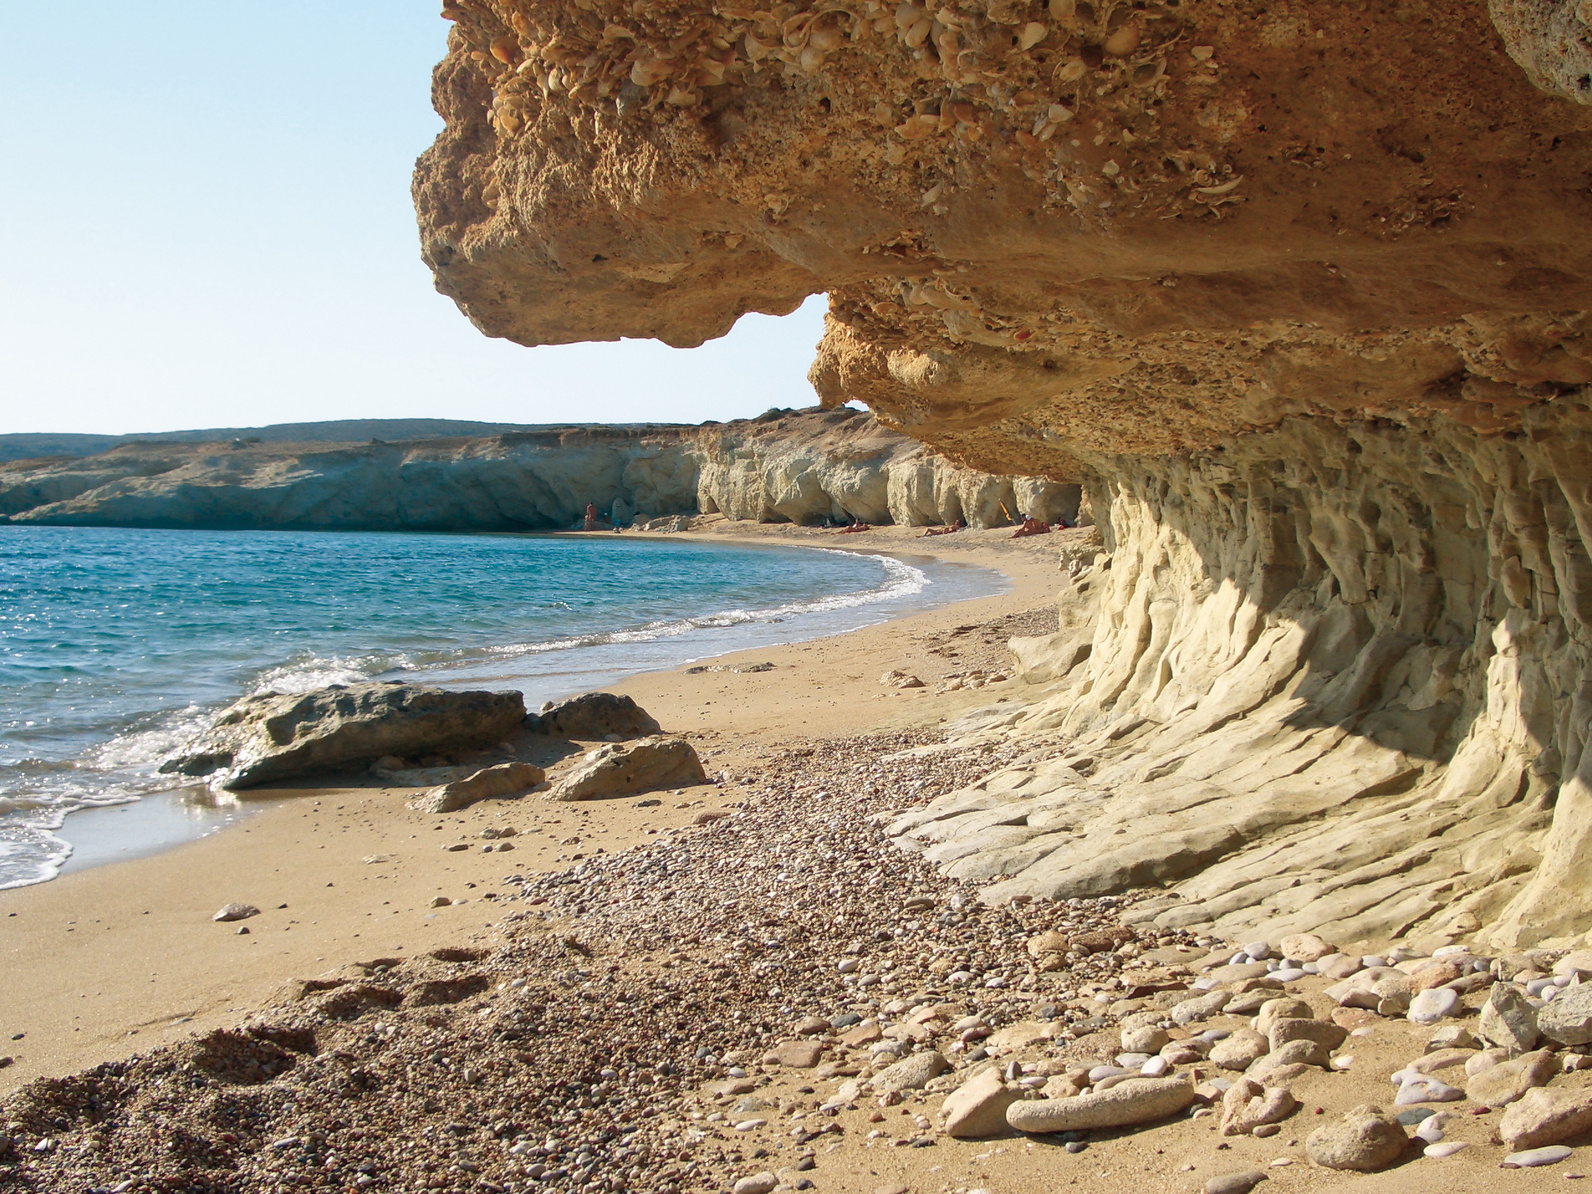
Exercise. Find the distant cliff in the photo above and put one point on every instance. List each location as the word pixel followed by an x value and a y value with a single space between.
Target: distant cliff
pixel 33 445
pixel 802 467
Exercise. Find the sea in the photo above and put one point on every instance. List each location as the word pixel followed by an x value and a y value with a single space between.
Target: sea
pixel 118 645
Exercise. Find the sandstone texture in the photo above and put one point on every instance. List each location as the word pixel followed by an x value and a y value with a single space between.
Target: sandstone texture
pixel 271 738
pixel 1297 294
pixel 624 769
pixel 787 466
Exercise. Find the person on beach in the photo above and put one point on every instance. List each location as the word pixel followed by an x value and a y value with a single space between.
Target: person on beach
pixel 591 517
pixel 856 525
pixel 945 530
pixel 1031 526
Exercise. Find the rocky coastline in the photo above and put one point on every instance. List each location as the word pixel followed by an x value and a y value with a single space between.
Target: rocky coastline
pixel 805 467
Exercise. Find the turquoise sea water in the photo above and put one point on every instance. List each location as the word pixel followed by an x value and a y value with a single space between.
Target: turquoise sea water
pixel 116 645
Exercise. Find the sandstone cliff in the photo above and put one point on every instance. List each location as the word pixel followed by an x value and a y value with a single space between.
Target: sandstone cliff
pixel 1297 290
pixel 785 467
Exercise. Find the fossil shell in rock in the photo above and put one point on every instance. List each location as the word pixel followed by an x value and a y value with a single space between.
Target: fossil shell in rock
pixel 647 70
pixel 1033 33
pixel 506 49
pixel 825 39
pixel 917 127
pixel 1071 71
pixel 1123 42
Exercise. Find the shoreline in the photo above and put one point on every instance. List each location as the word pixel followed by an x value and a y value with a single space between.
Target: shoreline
pixel 151 814
pixel 78 982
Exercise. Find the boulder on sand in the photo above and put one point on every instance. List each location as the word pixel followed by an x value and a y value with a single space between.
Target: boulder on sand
pixel 625 769
pixel 272 738
pixel 1543 1117
pixel 593 715
pixel 490 783
pixel 1366 1138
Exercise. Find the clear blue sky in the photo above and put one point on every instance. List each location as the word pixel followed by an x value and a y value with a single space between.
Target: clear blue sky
pixel 205 221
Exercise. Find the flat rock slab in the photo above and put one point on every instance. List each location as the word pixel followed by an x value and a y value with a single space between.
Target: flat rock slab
pixel 625 769
pixel 274 738
pixel 1136 1101
pixel 594 715
pixel 490 783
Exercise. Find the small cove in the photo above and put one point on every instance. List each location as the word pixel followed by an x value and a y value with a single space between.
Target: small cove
pixel 117 644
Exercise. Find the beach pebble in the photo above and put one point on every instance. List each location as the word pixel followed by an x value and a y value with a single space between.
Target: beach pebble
pixel 757 1183
pixel 440 901
pixel 1433 1005
pixel 1234 1183
pixel 1534 1157
pixel 1421 1088
pixel 1144 1040
pixel 236 912
pixel 1447 1148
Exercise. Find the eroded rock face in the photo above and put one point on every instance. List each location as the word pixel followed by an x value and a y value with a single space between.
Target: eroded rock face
pixel 1298 293
pixel 787 466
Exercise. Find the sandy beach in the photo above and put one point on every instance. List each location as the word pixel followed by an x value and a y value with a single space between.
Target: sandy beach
pixel 107 961
pixel 671 995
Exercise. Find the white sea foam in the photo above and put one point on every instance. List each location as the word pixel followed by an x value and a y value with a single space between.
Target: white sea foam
pixel 308 673
pixel 902 580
